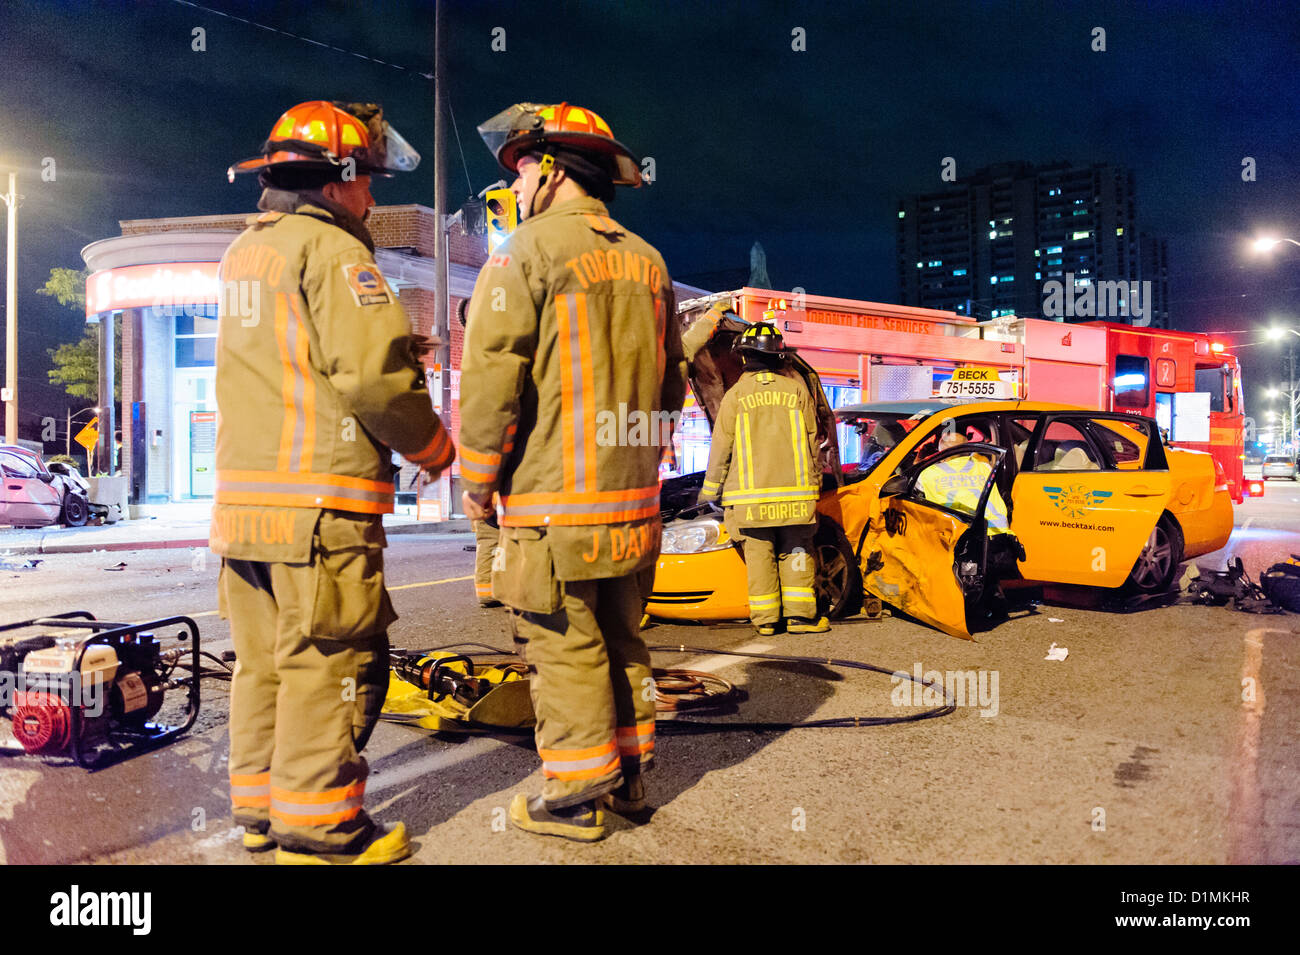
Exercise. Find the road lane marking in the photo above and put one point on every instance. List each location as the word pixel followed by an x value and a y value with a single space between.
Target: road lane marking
pixel 430 583
pixel 1246 526
pixel 710 664
pixel 1246 844
pixel 383 779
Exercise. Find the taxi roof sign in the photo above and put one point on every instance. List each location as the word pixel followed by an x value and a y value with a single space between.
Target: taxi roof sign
pixel 975 374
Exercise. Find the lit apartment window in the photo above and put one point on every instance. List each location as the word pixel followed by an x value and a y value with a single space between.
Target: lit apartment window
pixel 935 262
pixel 901 213
pixel 958 271
pixel 1081 235
pixel 1055 248
pixel 993 234
pixel 1119 231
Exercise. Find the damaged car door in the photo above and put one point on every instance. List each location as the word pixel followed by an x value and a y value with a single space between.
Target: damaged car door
pixel 930 557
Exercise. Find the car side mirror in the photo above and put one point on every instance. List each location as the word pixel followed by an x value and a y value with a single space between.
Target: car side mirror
pixel 47 478
pixel 894 486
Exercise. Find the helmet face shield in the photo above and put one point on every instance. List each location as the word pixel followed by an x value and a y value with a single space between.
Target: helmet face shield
pixel 530 127
pixel 387 151
pixel 513 120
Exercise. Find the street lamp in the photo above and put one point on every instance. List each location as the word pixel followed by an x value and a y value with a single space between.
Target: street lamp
pixel 1269 243
pixel 10 394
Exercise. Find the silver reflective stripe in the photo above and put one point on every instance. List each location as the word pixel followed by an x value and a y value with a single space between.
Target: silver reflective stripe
pixel 315 808
pixel 761 496
pixel 263 790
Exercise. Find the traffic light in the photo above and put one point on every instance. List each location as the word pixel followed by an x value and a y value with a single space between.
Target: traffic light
pixel 502 215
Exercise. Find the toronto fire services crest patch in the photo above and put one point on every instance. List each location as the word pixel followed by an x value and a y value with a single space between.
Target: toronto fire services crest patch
pixel 366 284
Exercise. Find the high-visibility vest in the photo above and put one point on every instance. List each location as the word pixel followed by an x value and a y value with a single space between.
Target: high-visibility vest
pixel 957 483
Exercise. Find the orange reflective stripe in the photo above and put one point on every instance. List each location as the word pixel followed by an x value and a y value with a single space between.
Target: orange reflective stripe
pixel 252 790
pixel 595 507
pixel 483 460
pixel 589 763
pixel 317 809
pixel 469 472
pixel 593 497
pixel 250 779
pixel 350 792
pixel 636 740
pixel 307 447
pixel 438 452
pixel 284 499
pixel 510 439
pixel 298 489
pixel 567 418
pixel 586 468
pixel 284 458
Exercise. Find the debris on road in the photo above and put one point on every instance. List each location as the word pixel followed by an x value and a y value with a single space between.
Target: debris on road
pixel 1057 653
pixel 1055 620
pixel 120 565
pixel 29 564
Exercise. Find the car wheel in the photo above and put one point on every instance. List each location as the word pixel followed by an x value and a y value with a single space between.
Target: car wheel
pixel 838 581
pixel 1158 563
pixel 76 510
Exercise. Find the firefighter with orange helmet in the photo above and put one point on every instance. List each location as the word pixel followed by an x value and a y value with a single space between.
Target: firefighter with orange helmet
pixel 572 377
pixel 317 384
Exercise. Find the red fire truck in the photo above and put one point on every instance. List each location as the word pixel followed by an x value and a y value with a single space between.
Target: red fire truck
pixel 871 351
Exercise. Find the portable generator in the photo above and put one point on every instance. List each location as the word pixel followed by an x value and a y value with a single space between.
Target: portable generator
pixel 93 697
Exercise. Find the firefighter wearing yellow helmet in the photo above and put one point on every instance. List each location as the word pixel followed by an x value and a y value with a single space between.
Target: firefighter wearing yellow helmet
pixel 572 377
pixel 763 468
pixel 317 384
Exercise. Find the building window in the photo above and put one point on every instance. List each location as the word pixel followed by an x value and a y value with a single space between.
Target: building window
pixel 958 271
pixel 1080 235
pixel 901 213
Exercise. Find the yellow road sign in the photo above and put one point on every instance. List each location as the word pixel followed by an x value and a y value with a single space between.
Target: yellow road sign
pixel 88 436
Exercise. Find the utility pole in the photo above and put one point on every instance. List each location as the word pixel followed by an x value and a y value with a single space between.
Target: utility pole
pixel 442 270
pixel 11 314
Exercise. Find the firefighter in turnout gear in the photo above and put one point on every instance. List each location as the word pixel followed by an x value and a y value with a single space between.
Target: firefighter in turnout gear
pixel 763 468
pixel 572 379
pixel 316 384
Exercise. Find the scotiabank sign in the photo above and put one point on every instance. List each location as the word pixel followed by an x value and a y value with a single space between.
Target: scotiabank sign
pixel 139 286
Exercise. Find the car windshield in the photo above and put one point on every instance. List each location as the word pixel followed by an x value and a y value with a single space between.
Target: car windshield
pixel 866 437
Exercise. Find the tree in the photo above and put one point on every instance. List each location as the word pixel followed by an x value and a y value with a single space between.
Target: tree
pixel 76 364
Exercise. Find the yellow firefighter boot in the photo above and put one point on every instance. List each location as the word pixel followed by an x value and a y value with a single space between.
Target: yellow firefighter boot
pixel 387 846
pixel 257 841
pixel 581 823
pixel 807 625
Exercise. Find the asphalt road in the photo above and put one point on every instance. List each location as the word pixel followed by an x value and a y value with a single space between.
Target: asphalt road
pixel 1137 748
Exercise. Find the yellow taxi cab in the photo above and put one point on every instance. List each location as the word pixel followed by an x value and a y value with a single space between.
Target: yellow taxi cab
pixel 1086 497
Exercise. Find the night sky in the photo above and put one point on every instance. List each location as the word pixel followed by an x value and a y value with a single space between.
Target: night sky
pixel 806 152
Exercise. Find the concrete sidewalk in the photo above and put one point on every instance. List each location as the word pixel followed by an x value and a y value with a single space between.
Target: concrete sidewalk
pixel 168 525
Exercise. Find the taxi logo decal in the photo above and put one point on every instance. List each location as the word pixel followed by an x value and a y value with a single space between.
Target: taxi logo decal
pixel 1076 499
pixel 366 284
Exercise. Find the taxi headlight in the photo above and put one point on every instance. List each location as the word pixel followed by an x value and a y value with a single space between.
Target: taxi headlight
pixel 694 537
